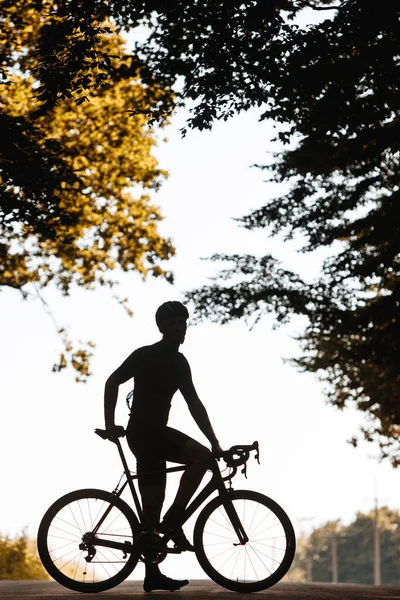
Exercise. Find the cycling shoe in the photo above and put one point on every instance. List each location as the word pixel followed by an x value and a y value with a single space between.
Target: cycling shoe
pixel 162 582
pixel 177 535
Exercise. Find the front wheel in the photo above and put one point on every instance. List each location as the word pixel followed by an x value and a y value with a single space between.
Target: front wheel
pixel 68 535
pixel 259 563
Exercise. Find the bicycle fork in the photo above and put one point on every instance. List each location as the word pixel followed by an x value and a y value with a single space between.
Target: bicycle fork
pixel 234 519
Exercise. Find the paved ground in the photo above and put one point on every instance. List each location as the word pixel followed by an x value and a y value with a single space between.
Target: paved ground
pixel 197 590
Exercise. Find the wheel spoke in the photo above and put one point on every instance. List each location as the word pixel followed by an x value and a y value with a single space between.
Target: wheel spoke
pixel 268 546
pixel 263 563
pixel 229 557
pixel 221 536
pixel 75 549
pixel 251 562
pixel 76 569
pixel 67 523
pixel 224 516
pixel 97 516
pixel 223 552
pixel 63 546
pixel 223 526
pixel 69 561
pixel 250 531
pixel 267 529
pixel 244 574
pixel 58 537
pixel 73 516
pixel 110 563
pixel 234 566
pixel 269 557
pixel 218 543
pixel 262 521
pixel 83 518
pixel 112 522
pixel 90 514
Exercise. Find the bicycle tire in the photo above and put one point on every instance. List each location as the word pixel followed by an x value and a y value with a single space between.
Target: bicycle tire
pixel 208 528
pixel 66 521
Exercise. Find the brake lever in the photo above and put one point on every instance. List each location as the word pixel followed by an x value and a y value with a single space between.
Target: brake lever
pixel 257 449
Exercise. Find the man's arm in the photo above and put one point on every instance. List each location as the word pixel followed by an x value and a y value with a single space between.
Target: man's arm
pixel 122 374
pixel 196 406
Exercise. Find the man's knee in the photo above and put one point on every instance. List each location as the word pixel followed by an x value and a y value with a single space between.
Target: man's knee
pixel 204 456
pixel 195 453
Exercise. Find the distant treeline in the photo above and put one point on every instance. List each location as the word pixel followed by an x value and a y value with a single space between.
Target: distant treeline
pixel 348 552
pixel 333 550
pixel 19 558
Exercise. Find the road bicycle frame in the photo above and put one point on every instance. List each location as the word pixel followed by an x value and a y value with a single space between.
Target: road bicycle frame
pixel 215 484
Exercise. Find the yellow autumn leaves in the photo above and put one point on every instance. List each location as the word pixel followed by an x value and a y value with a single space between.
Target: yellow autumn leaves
pixel 110 151
pixel 102 217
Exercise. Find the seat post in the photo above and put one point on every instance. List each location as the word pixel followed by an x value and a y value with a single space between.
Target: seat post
pixel 129 479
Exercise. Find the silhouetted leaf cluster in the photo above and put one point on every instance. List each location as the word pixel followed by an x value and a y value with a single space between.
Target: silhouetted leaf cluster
pixel 338 108
pixel 333 89
pixel 223 55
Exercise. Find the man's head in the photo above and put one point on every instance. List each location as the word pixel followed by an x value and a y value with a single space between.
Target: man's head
pixel 171 320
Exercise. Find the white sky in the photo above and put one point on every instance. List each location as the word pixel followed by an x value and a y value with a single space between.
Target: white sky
pixel 47 443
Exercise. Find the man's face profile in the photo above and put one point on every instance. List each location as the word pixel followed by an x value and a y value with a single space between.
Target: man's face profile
pixel 174 329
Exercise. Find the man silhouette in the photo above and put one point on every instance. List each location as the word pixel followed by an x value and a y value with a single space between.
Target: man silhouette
pixel 159 370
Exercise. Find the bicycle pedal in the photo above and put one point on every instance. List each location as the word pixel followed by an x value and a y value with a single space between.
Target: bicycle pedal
pixel 167 549
pixel 174 550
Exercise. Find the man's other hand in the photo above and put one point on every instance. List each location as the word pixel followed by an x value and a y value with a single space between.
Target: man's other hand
pixel 115 431
pixel 216 447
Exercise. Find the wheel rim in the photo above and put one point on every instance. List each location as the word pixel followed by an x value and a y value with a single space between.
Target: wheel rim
pixel 260 558
pixel 71 527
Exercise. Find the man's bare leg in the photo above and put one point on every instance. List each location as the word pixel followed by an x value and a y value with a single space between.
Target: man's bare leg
pixel 153 495
pixel 197 458
pixel 152 499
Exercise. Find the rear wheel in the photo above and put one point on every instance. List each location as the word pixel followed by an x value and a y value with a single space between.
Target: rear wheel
pixel 67 547
pixel 256 565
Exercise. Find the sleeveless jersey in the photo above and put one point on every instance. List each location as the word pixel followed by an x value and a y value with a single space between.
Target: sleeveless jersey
pixel 158 372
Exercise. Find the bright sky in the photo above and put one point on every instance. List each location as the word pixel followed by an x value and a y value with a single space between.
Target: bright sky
pixel 47 444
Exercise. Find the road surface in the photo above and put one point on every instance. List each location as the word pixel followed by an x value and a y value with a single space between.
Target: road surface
pixel 199 590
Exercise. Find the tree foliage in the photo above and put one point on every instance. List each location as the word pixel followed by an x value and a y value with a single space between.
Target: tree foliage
pixel 217 49
pixel 74 173
pixel 69 80
pixel 19 559
pixel 224 55
pixel 337 108
pixel 332 90
pixel 75 116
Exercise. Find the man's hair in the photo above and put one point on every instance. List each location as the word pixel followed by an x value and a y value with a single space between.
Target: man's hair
pixel 168 310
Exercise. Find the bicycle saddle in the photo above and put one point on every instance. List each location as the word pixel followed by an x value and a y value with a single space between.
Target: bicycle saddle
pixel 106 435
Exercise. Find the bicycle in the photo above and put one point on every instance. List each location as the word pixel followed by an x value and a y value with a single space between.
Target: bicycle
pixel 244 541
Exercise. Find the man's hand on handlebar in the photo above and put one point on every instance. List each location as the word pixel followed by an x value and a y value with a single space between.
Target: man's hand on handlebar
pixel 216 448
pixel 115 431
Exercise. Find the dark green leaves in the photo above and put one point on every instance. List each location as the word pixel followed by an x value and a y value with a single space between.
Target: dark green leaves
pixel 339 103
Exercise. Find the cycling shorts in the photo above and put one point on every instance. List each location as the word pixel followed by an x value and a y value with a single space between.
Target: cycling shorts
pixel 153 447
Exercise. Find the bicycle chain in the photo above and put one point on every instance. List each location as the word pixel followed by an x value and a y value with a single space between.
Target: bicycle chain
pixel 114 535
pixel 160 558
pixel 112 562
